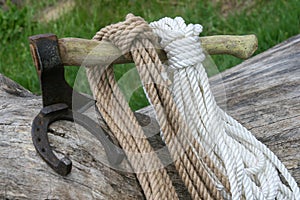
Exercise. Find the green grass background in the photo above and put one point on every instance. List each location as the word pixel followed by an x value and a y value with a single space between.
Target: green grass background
pixel 272 21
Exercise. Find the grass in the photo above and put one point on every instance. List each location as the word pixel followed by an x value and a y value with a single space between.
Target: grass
pixel 272 22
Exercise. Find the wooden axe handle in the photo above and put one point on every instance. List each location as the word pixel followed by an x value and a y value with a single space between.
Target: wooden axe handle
pixel 76 51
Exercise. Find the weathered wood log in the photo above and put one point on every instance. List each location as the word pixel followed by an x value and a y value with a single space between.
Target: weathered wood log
pixel 262 93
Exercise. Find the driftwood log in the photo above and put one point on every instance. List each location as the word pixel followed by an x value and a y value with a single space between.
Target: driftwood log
pixel 262 93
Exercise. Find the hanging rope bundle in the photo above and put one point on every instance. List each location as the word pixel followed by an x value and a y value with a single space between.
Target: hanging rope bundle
pixel 121 120
pixel 216 157
pixel 254 172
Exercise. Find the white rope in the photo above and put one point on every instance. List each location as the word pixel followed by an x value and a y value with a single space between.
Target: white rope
pixel 253 170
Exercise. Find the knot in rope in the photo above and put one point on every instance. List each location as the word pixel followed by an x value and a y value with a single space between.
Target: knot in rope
pixel 180 41
pixel 125 34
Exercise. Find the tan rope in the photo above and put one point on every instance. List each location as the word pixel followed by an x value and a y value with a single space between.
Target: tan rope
pixel 134 36
pixel 120 119
pixel 151 182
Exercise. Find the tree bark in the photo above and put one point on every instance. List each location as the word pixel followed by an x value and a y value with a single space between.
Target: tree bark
pixel 262 93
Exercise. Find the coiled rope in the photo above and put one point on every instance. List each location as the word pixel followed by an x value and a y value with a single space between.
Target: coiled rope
pixel 205 144
pixel 120 119
pixel 254 171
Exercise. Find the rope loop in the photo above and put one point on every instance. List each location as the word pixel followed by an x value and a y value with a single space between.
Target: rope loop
pixel 125 34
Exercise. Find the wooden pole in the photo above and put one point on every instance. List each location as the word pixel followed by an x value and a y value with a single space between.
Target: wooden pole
pixel 76 51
